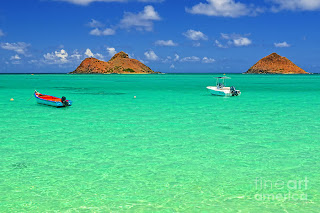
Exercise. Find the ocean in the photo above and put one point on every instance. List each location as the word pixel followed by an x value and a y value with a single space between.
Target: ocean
pixel 173 148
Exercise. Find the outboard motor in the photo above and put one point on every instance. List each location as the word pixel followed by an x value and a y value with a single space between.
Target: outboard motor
pixel 234 92
pixel 64 101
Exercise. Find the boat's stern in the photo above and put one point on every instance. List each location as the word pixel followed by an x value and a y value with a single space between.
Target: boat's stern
pixel 64 104
pixel 239 92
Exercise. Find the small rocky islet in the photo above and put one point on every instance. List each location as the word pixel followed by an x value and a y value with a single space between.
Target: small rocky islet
pixel 120 63
pixel 275 64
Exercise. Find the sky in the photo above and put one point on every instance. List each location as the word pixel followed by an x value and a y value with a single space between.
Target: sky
pixel 171 36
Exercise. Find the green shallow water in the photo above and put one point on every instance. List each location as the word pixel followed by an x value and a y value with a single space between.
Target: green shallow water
pixel 175 148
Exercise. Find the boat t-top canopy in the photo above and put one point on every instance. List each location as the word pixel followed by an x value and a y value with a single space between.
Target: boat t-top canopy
pixel 221 81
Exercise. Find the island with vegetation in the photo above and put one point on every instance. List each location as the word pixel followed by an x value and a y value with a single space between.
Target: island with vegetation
pixel 120 63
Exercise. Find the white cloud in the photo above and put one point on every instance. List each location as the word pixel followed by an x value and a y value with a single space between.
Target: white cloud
pixel 151 1
pixel 1 33
pixel 58 57
pixel 33 61
pixel 150 55
pixel 176 57
pixel 168 43
pixel 111 51
pixel 207 60
pixel 87 2
pixel 196 44
pixel 105 32
pixel 15 57
pixel 141 21
pixel 62 57
pixel 62 54
pixel 19 47
pixel 76 55
pixel 282 44
pixel 98 29
pixel 308 5
pixel 108 31
pixel 195 35
pixel 95 24
pixel 242 41
pixel 16 62
pixel 225 8
pixel 143 61
pixel 233 40
pixel 172 66
pixel 190 59
pixel 226 36
pixel 131 55
pixel 167 60
pixel 99 56
pixel 218 44
pixel 89 53
pixel 95 32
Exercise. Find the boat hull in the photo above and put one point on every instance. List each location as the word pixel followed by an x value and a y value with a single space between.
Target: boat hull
pixel 51 103
pixel 221 92
pixel 218 93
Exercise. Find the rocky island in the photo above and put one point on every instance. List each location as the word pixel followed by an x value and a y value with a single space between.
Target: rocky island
pixel 120 63
pixel 275 64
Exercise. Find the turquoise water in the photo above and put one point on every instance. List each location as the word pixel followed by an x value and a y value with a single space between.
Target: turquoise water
pixel 173 148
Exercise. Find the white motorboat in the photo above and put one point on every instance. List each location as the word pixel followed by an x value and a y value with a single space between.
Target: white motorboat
pixel 221 90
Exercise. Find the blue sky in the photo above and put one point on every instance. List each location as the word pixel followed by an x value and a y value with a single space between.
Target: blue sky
pixel 223 36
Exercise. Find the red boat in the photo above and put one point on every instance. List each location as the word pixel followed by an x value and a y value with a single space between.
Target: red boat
pixel 51 100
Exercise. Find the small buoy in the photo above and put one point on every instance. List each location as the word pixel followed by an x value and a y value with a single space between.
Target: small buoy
pixel 11 99
pixel 31 74
pixel 134 96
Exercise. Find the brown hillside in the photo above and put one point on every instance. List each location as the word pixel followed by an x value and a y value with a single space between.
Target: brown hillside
pixel 120 63
pixel 275 64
